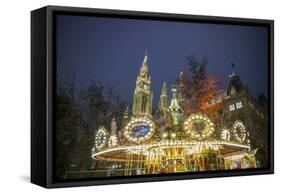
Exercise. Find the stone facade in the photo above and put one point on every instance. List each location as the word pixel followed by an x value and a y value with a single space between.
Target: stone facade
pixel 241 105
pixel 237 103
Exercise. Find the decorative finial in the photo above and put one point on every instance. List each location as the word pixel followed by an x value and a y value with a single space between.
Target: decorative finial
pixel 113 127
pixel 174 90
pixel 232 67
pixel 164 87
pixel 126 113
pixel 181 73
pixel 144 67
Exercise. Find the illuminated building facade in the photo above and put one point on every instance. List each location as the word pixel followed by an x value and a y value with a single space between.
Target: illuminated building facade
pixel 219 138
pixel 240 104
pixel 143 95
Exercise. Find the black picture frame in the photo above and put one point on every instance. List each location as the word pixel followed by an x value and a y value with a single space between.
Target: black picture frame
pixel 43 82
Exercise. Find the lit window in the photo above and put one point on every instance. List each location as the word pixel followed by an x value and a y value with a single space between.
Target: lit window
pixel 231 107
pixel 238 105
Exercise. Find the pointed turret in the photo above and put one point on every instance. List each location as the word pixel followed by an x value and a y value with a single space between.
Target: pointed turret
pixel 145 64
pixel 175 108
pixel 113 127
pixel 113 136
pixel 235 85
pixel 164 99
pixel 164 89
pixel 181 87
pixel 174 105
pixel 125 119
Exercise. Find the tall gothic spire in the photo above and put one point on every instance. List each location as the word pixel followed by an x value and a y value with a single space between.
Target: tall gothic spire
pixel 164 89
pixel 164 100
pixel 181 87
pixel 145 64
pixel 143 92
pixel 113 137
pixel 113 127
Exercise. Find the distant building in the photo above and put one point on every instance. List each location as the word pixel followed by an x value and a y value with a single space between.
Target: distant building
pixel 240 104
pixel 237 103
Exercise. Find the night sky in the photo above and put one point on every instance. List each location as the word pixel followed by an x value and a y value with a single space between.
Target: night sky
pixel 111 50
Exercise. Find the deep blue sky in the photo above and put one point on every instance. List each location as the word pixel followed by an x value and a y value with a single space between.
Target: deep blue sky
pixel 112 50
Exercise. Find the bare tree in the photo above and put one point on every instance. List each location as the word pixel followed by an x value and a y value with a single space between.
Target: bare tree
pixel 80 111
pixel 195 86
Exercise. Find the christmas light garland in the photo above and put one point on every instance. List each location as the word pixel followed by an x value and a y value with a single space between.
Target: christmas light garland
pixel 102 132
pixel 136 122
pixel 198 119
pixel 239 130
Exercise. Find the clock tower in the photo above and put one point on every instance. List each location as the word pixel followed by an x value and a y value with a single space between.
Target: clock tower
pixel 143 92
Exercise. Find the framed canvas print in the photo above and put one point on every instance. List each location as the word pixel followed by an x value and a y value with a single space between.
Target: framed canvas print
pixel 125 96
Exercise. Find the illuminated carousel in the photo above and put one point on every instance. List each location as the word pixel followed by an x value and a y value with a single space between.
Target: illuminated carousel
pixel 172 142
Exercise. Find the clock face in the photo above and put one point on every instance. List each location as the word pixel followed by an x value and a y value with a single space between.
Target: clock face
pixel 145 86
pixel 101 138
pixel 198 126
pixel 239 130
pixel 139 129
